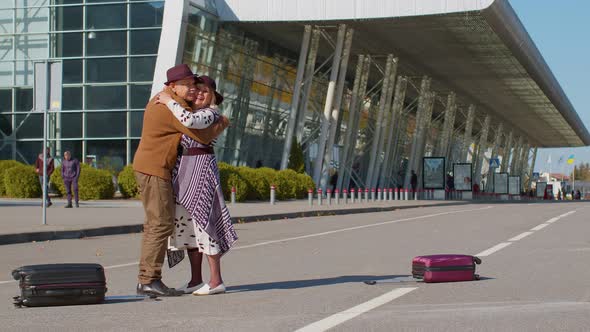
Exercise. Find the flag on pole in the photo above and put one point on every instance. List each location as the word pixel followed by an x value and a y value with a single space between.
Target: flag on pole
pixel 549 159
pixel 560 161
pixel 570 160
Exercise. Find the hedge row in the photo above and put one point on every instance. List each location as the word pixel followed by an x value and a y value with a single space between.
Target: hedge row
pixel 19 180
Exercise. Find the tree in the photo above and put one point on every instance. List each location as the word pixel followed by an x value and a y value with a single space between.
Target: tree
pixel 582 172
pixel 296 161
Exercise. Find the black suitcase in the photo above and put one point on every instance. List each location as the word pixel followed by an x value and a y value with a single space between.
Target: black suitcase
pixel 60 284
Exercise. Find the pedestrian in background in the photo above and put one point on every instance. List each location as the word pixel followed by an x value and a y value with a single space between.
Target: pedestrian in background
pixel 70 172
pixel 39 170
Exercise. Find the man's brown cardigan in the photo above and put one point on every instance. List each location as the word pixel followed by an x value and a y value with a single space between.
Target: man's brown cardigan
pixel 160 136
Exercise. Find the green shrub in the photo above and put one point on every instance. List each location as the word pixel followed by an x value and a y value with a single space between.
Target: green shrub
pixel 92 184
pixel 22 182
pixel 296 159
pixel 258 181
pixel 5 165
pixel 304 183
pixel 127 183
pixel 286 183
pixel 230 177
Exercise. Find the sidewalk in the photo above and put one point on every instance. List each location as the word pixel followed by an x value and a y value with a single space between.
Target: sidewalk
pixel 21 221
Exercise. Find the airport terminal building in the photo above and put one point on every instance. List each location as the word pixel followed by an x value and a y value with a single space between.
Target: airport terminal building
pixel 367 87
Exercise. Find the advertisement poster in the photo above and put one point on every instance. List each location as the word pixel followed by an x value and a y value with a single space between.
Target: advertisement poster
pixel 501 183
pixel 462 175
pixel 434 173
pixel 514 185
pixel 541 186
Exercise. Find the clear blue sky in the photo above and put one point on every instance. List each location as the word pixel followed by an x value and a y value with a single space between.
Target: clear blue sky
pixel 560 29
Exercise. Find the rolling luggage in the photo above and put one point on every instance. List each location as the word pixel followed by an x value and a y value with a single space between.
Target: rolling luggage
pixel 60 284
pixel 445 268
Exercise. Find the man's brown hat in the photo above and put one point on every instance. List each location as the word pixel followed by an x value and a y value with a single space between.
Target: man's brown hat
pixel 178 73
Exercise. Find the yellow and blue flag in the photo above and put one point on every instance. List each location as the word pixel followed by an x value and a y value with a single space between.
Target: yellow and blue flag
pixel 570 160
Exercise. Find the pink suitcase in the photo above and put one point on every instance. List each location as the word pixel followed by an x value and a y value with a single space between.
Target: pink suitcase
pixel 445 268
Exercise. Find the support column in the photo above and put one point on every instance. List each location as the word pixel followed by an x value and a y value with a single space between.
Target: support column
pixel 394 125
pixel 401 139
pixel 507 151
pixel 427 121
pixel 308 82
pixel 387 131
pixel 413 158
pixel 380 124
pixel 532 169
pixel 327 118
pixel 448 126
pixel 351 111
pixel 524 162
pixel 515 160
pixel 292 122
pixel 358 104
pixel 468 131
pixel 336 117
pixel 482 148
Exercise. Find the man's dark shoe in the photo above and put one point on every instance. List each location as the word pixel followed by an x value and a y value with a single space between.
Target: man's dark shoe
pixel 49 204
pixel 77 205
pixel 157 288
pixel 69 206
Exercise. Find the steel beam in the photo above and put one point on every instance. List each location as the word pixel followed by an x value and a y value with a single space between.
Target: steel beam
pixel 468 131
pixel 481 149
pixel 394 125
pixel 336 117
pixel 308 79
pixel 422 103
pixel 380 123
pixel 292 122
pixel 507 151
pixel 448 126
pixel 532 169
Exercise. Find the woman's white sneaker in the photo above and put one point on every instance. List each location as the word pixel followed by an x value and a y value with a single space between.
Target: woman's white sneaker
pixel 188 290
pixel 206 290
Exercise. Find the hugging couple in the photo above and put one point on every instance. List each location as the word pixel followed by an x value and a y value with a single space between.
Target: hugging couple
pixel 178 179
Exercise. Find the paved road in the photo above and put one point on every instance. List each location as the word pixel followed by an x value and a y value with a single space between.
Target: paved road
pixel 308 274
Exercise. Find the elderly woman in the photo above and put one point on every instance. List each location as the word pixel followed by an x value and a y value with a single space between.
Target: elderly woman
pixel 202 221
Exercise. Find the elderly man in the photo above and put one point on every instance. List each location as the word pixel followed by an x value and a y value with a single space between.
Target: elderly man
pixel 153 163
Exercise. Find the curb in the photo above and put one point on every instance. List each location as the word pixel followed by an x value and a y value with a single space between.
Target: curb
pixel 6 239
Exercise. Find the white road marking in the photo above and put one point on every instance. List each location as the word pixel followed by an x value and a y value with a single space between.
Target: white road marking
pixel 121 265
pixel 314 235
pixel 357 227
pixel 520 236
pixel 7 282
pixel 493 249
pixel 539 227
pixel 343 316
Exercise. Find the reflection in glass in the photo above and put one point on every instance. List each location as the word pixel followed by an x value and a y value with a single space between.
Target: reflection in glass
pixel 105 97
pixel 68 44
pixel 72 71
pixel 24 100
pixel 106 17
pixel 5 125
pixel 72 98
pixel 32 127
pixel 106 70
pixel 142 68
pixel 106 124
pixel 5 100
pixel 29 150
pixel 136 123
pixel 110 154
pixel 71 125
pixel 140 95
pixel 107 43
pixel 68 18
pixel 146 14
pixel 145 41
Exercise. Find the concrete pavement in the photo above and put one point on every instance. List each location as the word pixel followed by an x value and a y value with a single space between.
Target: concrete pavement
pixel 20 220
pixel 308 274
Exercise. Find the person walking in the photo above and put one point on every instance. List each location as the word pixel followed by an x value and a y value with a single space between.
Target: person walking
pixel 70 173
pixel 202 220
pixel 39 170
pixel 414 183
pixel 153 163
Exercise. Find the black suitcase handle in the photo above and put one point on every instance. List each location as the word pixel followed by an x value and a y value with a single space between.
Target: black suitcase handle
pixel 476 260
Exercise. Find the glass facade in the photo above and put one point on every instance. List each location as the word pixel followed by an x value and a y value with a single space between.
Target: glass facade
pixel 256 79
pixel 108 50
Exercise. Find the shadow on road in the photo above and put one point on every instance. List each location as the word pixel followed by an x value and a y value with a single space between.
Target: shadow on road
pixel 293 284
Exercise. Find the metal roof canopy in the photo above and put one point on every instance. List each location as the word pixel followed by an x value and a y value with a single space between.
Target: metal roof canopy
pixel 485 56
